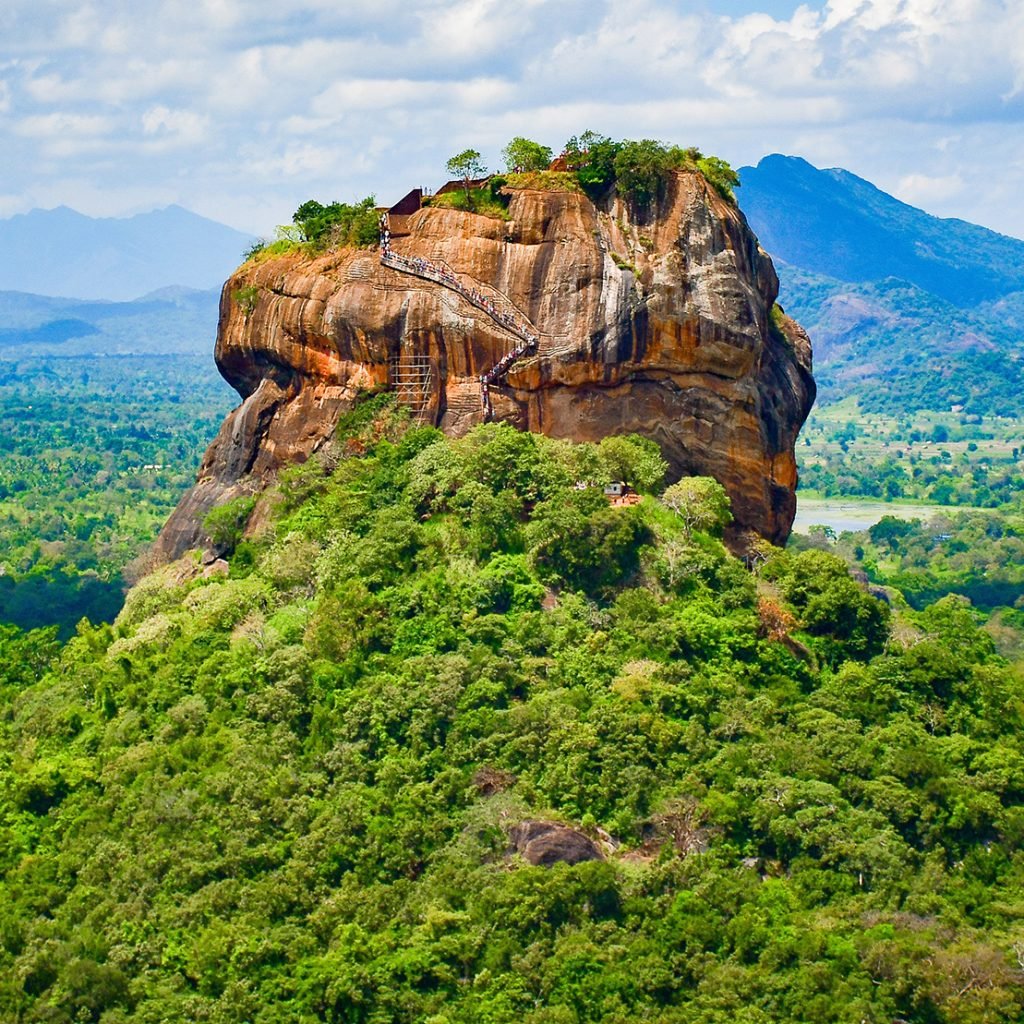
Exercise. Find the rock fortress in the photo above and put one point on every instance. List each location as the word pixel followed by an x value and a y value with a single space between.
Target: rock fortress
pixel 569 318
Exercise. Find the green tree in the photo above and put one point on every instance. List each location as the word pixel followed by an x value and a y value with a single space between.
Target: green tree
pixel 339 224
pixel 467 165
pixel 641 171
pixel 633 459
pixel 526 155
pixel 226 522
pixel 576 539
pixel 848 622
pixel 890 530
pixel 701 502
pixel 593 156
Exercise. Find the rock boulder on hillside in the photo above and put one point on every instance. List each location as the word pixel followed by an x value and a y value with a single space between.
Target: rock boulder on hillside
pixel 543 843
pixel 663 327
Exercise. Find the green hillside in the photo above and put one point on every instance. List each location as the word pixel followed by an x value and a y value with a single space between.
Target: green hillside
pixel 907 312
pixel 897 348
pixel 286 794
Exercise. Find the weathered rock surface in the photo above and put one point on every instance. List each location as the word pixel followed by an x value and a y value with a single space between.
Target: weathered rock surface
pixel 663 328
pixel 543 843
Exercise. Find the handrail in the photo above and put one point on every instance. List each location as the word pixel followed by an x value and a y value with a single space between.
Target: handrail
pixel 521 327
pixel 421 267
pixel 493 290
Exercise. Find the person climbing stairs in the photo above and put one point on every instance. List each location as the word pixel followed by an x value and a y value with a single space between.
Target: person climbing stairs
pixel 513 320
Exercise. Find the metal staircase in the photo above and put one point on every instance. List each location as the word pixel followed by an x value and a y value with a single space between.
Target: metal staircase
pixel 495 304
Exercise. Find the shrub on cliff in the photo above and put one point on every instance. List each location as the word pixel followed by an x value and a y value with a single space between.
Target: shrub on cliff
pixel 642 170
pixel 337 224
pixel 226 522
pixel 719 175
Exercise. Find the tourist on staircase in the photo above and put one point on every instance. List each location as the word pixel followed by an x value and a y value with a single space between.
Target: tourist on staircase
pixel 422 267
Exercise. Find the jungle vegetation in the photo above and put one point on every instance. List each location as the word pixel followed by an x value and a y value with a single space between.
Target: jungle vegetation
pixel 97 451
pixel 284 794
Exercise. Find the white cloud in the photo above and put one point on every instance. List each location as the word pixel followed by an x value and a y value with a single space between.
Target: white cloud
pixel 63 124
pixel 269 103
pixel 303 161
pixel 382 94
pixel 177 127
pixel 927 191
pixel 78 27
pixel 471 27
pixel 12 204
pixel 51 88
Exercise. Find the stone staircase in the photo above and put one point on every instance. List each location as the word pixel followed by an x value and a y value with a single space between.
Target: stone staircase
pixel 463 400
pixel 490 300
pixel 360 270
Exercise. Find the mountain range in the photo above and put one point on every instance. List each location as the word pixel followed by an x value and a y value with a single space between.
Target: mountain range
pixel 169 320
pixel 63 252
pixel 905 310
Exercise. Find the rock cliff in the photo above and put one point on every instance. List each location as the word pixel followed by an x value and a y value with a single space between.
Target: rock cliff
pixel 664 328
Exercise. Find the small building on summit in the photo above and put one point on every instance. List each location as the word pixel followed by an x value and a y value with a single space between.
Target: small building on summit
pixel 409 203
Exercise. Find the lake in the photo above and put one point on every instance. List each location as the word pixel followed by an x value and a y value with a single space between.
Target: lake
pixel 849 514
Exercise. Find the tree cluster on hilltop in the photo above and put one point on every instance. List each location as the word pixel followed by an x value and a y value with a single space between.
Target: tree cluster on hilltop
pixel 286 794
pixel 638 170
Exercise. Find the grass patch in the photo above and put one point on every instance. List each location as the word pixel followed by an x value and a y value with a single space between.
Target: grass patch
pixel 280 247
pixel 247 298
pixel 481 201
pixel 544 181
pixel 623 264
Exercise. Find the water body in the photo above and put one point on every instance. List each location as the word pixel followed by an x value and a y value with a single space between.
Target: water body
pixel 847 514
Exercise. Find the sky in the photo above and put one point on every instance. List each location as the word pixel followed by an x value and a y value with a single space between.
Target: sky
pixel 242 109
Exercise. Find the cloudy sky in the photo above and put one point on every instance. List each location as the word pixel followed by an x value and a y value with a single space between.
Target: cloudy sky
pixel 241 109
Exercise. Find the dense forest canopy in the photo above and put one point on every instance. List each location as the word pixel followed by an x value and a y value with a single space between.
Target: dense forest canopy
pixel 96 453
pixel 287 793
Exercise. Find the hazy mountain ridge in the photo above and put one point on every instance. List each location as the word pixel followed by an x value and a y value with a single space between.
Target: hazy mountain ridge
pixel 63 252
pixel 902 307
pixel 168 320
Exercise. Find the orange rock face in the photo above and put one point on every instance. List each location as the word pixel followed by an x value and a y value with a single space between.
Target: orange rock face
pixel 663 328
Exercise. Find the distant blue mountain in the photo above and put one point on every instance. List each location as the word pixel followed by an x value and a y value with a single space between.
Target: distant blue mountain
pixel 62 252
pixel 905 310
pixel 170 320
pixel 832 222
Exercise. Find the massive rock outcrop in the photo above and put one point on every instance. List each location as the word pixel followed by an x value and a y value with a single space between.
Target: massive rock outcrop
pixel 664 328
